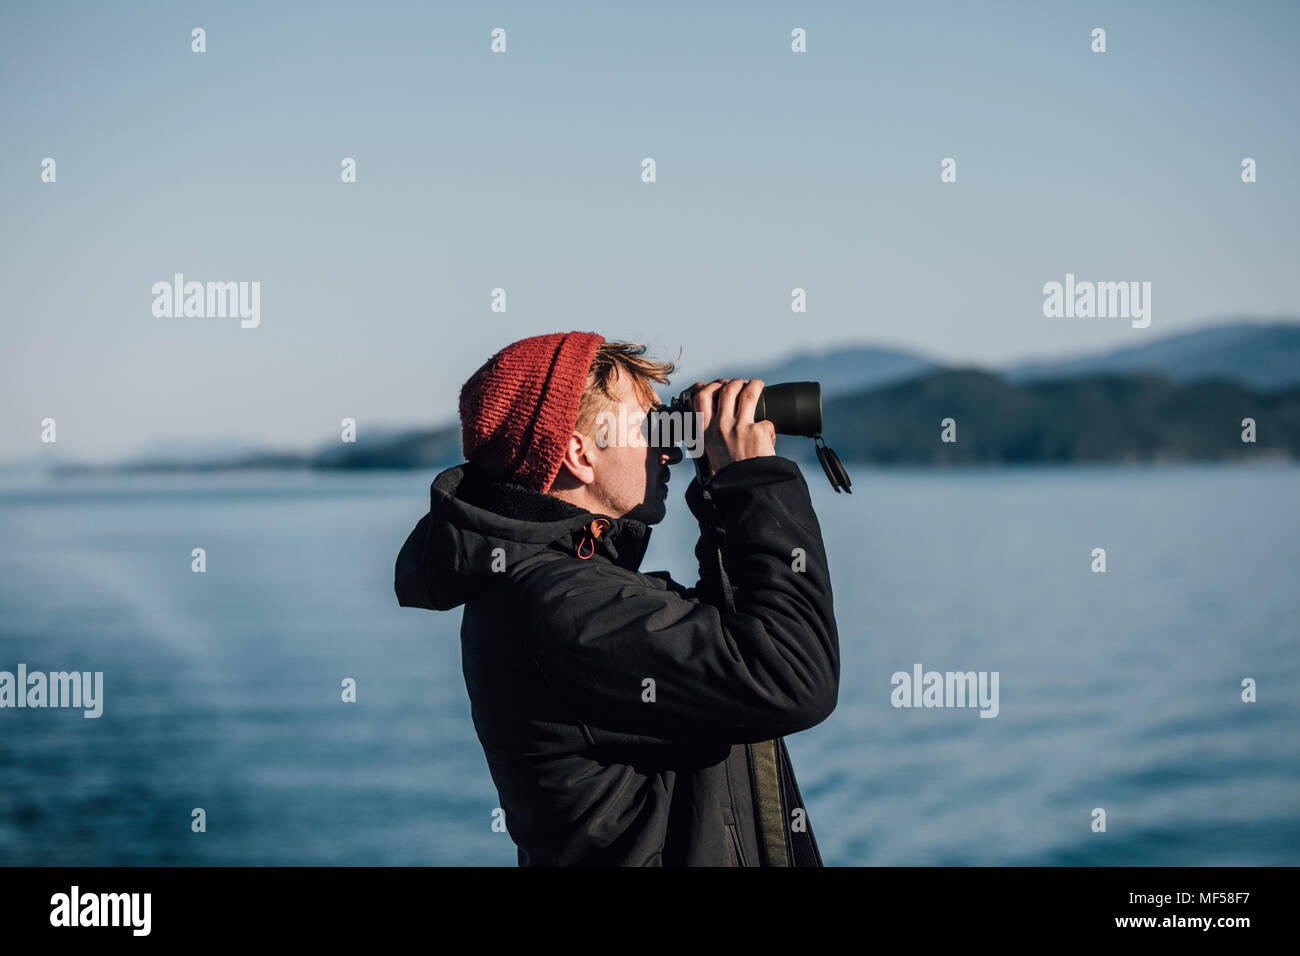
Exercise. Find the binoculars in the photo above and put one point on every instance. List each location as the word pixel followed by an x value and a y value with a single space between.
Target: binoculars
pixel 793 408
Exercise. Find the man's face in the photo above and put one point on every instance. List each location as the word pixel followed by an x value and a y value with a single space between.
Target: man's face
pixel 631 475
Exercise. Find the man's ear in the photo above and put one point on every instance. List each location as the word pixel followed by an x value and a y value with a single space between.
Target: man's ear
pixel 577 459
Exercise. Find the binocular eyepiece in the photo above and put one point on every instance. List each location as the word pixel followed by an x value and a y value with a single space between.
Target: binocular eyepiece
pixel 793 408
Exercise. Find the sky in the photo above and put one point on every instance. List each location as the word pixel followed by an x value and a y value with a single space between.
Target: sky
pixel 522 170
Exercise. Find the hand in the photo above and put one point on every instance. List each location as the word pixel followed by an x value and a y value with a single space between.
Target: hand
pixel 726 410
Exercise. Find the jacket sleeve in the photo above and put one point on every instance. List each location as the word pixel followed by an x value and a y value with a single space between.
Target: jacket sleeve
pixel 709 586
pixel 769 669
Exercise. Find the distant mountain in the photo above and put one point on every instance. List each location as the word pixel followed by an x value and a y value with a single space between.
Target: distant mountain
pixel 1102 418
pixel 1177 398
pixel 1113 418
pixel 423 448
pixel 196 450
pixel 1261 356
pixel 851 368
pixel 1108 418
pixel 253 461
pixel 374 448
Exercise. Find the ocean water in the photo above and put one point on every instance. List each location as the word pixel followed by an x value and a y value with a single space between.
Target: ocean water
pixel 1119 691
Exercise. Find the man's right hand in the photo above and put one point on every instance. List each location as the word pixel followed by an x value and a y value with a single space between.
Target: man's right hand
pixel 726 410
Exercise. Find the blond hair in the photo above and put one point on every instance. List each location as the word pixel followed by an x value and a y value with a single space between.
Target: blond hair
pixel 613 359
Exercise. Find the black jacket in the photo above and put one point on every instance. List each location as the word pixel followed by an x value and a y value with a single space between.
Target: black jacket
pixel 626 719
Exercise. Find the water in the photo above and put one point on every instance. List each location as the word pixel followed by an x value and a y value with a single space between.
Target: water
pixel 1118 690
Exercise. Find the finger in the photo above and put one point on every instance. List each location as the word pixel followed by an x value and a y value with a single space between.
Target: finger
pixel 703 400
pixel 700 386
pixel 748 401
pixel 704 394
pixel 727 403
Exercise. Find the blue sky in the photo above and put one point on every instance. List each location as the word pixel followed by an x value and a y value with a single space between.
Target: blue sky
pixel 522 171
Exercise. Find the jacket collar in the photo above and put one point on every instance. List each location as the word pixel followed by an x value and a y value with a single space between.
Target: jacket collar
pixel 564 526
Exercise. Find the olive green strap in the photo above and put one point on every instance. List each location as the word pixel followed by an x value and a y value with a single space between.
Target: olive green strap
pixel 764 772
pixel 767 804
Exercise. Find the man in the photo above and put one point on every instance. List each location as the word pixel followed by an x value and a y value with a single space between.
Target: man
pixel 628 720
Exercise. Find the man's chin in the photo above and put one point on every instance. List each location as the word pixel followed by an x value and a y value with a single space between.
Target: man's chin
pixel 650 512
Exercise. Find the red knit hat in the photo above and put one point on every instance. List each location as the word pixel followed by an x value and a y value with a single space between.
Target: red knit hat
pixel 518 411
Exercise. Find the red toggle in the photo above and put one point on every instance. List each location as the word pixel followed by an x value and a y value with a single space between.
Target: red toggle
pixel 593 531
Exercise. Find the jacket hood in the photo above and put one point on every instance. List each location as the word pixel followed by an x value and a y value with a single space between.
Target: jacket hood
pixel 449 556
